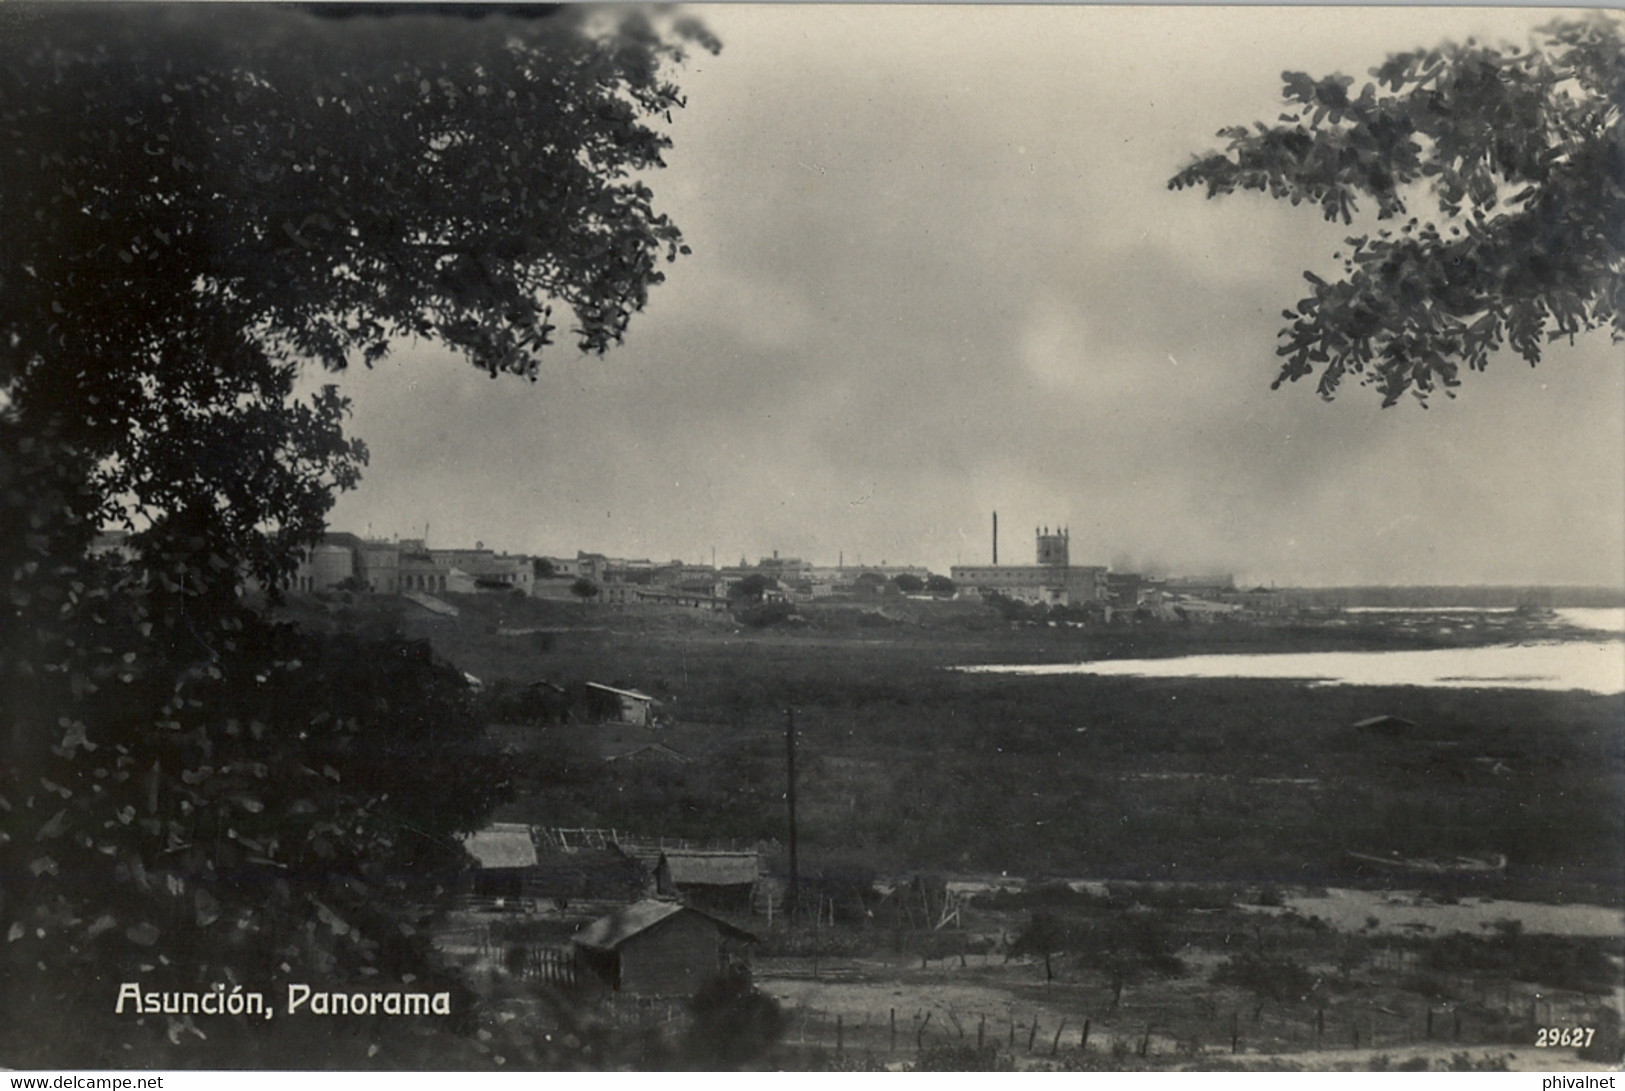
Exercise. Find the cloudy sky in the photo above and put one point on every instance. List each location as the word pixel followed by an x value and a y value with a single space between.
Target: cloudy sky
pixel 937 273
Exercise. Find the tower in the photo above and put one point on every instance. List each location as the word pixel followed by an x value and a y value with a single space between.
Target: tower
pixel 1052 547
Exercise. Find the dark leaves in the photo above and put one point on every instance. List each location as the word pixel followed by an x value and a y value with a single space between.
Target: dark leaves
pixel 1523 155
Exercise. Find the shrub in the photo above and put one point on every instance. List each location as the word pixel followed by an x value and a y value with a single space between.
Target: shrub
pixel 953 1057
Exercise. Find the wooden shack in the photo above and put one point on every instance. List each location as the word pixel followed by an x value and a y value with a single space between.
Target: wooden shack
pixel 606 704
pixel 721 880
pixel 660 947
pixel 505 854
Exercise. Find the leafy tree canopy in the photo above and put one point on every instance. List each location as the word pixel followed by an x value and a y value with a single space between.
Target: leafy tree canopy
pixel 199 201
pixel 1502 172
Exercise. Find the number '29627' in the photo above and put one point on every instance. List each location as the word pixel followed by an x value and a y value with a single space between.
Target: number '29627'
pixel 1579 1037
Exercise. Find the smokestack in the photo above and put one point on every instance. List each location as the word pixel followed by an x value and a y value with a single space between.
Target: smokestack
pixel 995 539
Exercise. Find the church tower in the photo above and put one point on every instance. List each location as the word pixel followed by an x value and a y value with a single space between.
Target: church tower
pixel 1052 547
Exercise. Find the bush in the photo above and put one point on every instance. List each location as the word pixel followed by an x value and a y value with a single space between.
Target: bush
pixel 1276 979
pixel 734 1025
pixel 765 614
pixel 954 1057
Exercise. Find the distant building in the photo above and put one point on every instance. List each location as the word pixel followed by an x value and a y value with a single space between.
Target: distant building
pixel 489 570
pixel 1124 589
pixel 1053 581
pixel 660 948
pixel 699 599
pixel 325 565
pixel 505 855
pixel 378 566
pixel 654 753
pixel 1385 725
pixel 606 704
pixel 714 880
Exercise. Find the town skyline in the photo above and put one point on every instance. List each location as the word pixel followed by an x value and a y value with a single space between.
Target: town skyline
pixel 911 303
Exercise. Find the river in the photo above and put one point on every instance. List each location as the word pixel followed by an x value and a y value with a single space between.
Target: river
pixel 1595 664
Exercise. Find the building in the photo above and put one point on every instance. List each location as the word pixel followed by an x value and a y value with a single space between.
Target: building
pixel 659 947
pixel 418 572
pixel 606 704
pixel 1053 581
pixel 505 854
pixel 697 599
pixel 378 566
pixel 712 880
pixel 489 570
pixel 513 868
pixel 325 565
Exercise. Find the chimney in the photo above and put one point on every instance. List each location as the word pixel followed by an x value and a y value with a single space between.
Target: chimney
pixel 995 539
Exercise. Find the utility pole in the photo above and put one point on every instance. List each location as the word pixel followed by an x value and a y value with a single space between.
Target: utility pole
pixel 790 798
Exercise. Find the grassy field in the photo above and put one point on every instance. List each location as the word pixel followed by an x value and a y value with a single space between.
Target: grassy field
pixel 906 766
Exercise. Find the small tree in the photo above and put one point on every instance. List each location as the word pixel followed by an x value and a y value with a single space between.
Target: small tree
pixel 939 585
pixel 908 583
pixel 752 588
pixel 1046 935
pixel 584 589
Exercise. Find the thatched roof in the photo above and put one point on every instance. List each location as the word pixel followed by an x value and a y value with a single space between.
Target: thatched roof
pixel 502 845
pixel 712 868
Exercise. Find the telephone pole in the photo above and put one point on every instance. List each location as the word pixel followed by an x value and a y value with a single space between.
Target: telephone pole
pixel 790 798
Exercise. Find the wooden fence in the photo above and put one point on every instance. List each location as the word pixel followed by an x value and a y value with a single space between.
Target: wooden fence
pixel 896 1035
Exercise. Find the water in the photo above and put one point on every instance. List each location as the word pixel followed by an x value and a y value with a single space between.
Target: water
pixel 1608 619
pixel 1593 666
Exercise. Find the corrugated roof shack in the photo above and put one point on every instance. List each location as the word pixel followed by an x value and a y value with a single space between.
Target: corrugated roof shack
pixel 660 948
pixel 606 704
pixel 713 880
pixel 506 855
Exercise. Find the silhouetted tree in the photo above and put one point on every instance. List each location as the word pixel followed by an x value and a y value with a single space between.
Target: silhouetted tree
pixel 1522 156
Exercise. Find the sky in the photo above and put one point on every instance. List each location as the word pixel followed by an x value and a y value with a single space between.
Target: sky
pixel 937 273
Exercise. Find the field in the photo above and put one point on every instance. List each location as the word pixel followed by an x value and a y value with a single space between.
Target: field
pixel 1195 801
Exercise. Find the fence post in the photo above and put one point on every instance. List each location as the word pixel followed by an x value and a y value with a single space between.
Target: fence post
pixel 1083 1039
pixel 1145 1043
pixel 919 1035
pixel 1458 1025
pixel 1033 1036
pixel 981 1033
pixel 1055 1046
pixel 894 1030
pixel 840 1036
pixel 1429 1031
pixel 1235 1034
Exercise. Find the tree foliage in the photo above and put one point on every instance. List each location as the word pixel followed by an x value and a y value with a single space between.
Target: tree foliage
pixel 199 203
pixel 1521 156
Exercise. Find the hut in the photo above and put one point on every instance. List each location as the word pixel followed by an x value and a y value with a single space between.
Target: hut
pixel 654 753
pixel 660 947
pixel 606 704
pixel 1385 725
pixel 505 854
pixel 720 880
